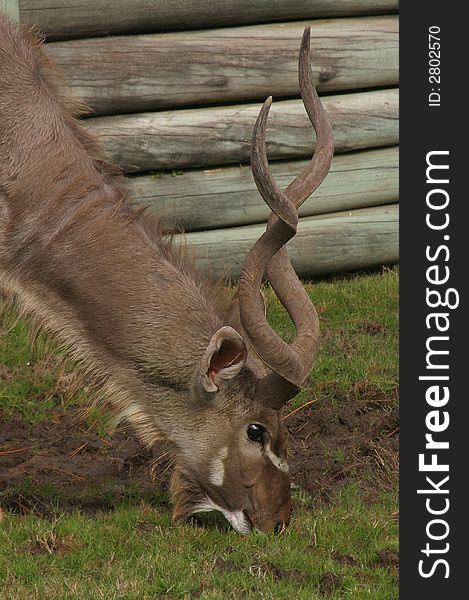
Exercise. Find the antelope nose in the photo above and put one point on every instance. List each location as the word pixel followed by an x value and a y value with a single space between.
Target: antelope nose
pixel 270 523
pixel 280 527
pixel 283 519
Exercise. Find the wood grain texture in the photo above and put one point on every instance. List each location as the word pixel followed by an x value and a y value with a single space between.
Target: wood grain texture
pixel 11 8
pixel 62 19
pixel 331 243
pixel 125 74
pixel 222 135
pixel 228 197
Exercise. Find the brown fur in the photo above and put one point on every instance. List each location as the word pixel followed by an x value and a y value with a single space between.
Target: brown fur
pixel 104 280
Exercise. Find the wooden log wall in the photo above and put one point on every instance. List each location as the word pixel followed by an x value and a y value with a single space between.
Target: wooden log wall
pixel 66 19
pixel 226 197
pixel 11 8
pixel 148 72
pixel 324 244
pixel 175 86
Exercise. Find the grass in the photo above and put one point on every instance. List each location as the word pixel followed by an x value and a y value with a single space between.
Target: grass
pixel 349 308
pixel 334 550
pixel 37 380
pixel 159 174
pixel 134 552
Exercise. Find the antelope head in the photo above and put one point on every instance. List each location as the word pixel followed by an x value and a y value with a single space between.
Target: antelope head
pixel 245 473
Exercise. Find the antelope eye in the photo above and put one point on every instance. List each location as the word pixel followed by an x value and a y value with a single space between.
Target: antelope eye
pixel 256 432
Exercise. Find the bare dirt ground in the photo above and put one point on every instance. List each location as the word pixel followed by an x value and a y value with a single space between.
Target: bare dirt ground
pixel 352 438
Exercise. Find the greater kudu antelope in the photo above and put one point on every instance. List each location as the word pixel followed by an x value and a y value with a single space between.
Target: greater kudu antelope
pixel 99 276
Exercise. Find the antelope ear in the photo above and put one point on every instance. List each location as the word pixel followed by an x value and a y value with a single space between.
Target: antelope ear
pixel 224 358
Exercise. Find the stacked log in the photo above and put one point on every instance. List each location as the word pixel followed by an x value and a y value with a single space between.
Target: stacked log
pixel 174 93
pixel 328 243
pixel 66 19
pixel 228 197
pixel 222 135
pixel 148 72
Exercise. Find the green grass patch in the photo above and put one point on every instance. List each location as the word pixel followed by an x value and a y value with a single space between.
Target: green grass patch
pixel 36 379
pixel 342 549
pixel 135 552
pixel 359 334
pixel 155 175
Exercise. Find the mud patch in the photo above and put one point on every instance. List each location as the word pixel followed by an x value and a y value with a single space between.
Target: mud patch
pixel 389 559
pixel 6 373
pixel 51 543
pixel 345 559
pixel 226 566
pixel 330 582
pixel 146 528
pixel 61 464
pixel 372 328
pixel 262 570
pixel 351 438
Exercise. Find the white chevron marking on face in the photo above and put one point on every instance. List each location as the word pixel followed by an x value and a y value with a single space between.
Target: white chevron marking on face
pixel 281 464
pixel 217 469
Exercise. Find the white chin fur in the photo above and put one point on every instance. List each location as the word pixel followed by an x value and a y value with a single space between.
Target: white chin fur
pixel 236 518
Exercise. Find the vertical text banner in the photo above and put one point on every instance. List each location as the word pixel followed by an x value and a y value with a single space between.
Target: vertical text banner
pixel 434 257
